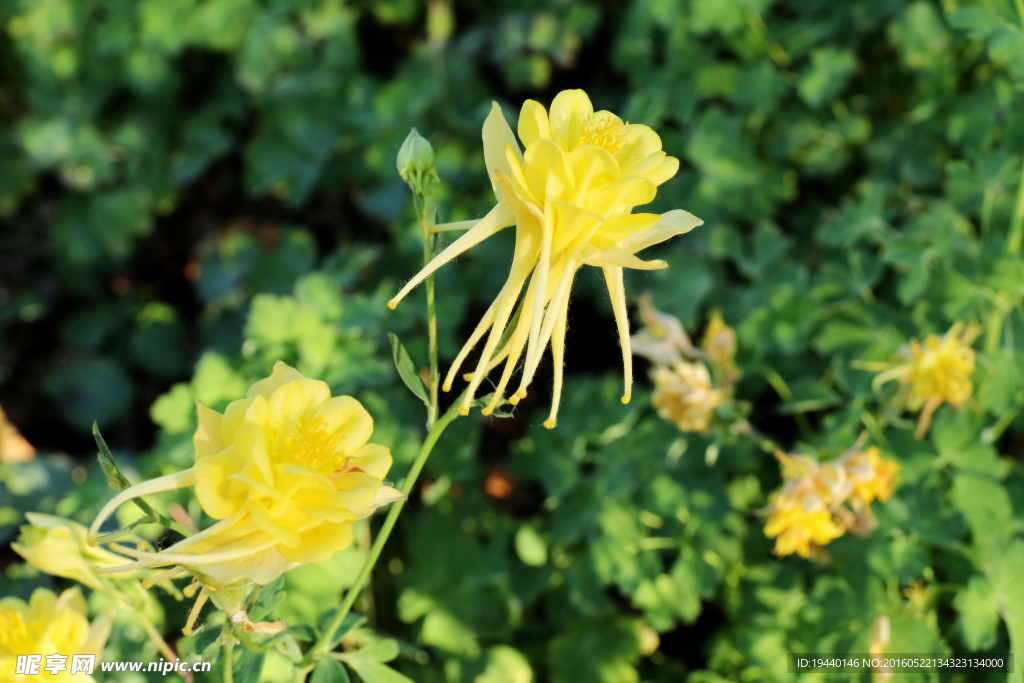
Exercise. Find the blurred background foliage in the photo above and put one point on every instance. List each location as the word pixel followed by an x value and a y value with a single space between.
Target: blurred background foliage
pixel 193 189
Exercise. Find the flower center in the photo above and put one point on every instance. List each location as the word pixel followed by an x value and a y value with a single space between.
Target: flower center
pixel 609 133
pixel 311 445
pixel 14 634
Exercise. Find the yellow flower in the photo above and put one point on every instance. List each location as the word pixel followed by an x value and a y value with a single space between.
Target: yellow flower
pixel 800 523
pixel 286 471
pixel 48 624
pixel 872 476
pixel 570 194
pixel 719 344
pixel 936 372
pixel 683 396
pixel 810 510
pixel 58 546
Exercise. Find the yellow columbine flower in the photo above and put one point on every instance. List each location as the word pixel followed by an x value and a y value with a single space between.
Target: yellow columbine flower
pixel 936 372
pixel 286 470
pixel 58 546
pixel 800 523
pixel 683 396
pixel 719 344
pixel 570 194
pixel 48 624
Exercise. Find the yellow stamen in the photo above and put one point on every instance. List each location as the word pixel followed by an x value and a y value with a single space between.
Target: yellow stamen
pixel 609 133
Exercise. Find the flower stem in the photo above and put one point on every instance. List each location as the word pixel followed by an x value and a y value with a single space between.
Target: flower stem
pixel 1017 222
pixel 229 644
pixel 420 202
pixel 324 644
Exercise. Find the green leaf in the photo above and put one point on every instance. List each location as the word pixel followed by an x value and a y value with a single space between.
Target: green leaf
pixel 351 622
pixel 830 67
pixel 978 614
pixel 247 665
pixel 368 665
pixel 1009 593
pixel 407 371
pixel 978 22
pixel 598 652
pixel 329 670
pixel 986 506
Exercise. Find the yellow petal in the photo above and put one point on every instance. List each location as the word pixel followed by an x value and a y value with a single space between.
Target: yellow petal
pixel 212 484
pixel 672 223
pixel 621 196
pixel 533 122
pixel 348 420
pixel 617 292
pixel 569 111
pixel 282 374
pixel 498 138
pixel 558 360
pixel 640 141
pixel 207 439
pixel 613 258
pixel 320 543
pixel 501 216
pixel 385 496
pixel 374 459
pixel 592 166
pixel 546 170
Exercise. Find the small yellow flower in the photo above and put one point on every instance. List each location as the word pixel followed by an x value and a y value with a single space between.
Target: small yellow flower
pixel 48 624
pixel 936 372
pixel 719 344
pixel 800 523
pixel 683 395
pixel 58 546
pixel 286 471
pixel 872 476
pixel 570 194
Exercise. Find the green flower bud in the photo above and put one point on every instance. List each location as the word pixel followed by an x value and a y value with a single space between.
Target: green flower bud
pixel 416 162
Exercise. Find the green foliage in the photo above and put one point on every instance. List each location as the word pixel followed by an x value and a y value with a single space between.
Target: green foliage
pixel 191 190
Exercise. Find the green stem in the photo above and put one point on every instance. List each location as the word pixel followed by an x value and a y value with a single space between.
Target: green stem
pixel 428 255
pixel 323 645
pixel 229 645
pixel 1017 222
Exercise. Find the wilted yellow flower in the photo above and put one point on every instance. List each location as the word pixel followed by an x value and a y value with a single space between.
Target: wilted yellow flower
pixel 810 510
pixel 48 624
pixel 719 344
pixel 800 523
pixel 286 470
pixel 570 195
pixel 58 546
pixel 662 340
pixel 936 372
pixel 872 476
pixel 683 396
